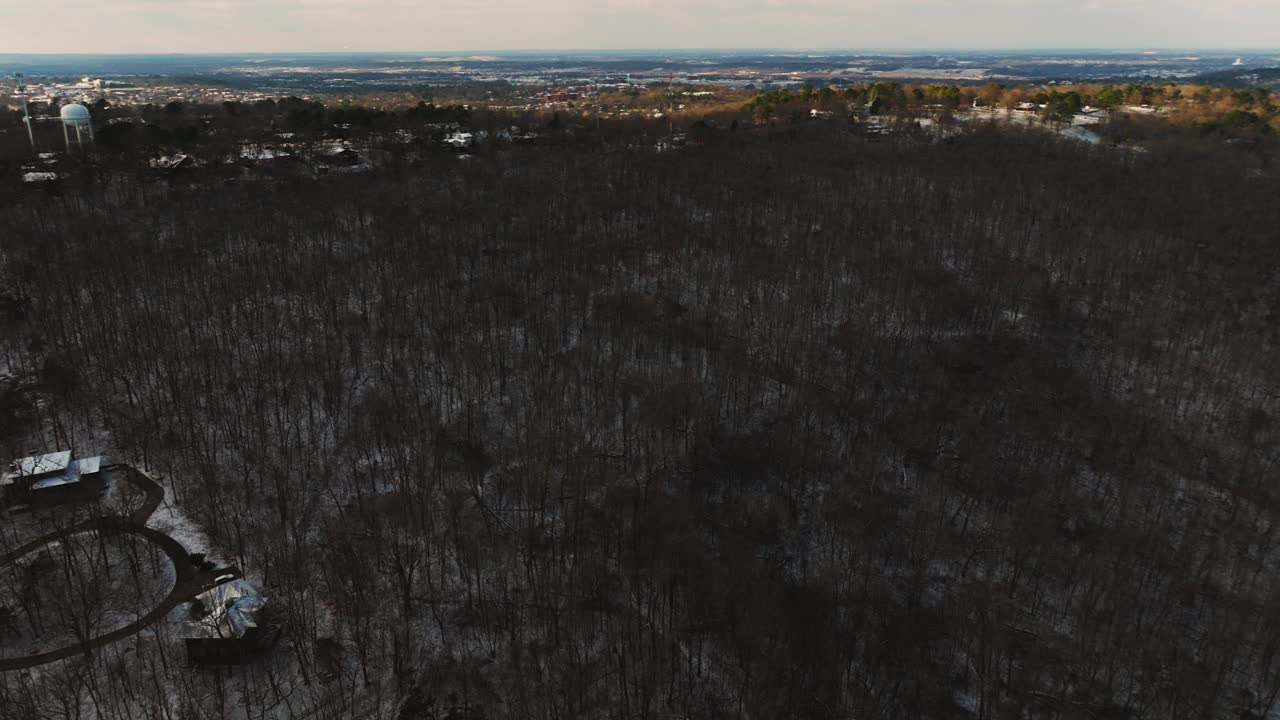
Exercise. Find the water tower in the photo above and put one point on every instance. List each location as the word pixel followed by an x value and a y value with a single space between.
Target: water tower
pixel 76 117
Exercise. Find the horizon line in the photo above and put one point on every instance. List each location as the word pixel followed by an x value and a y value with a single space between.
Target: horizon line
pixel 726 49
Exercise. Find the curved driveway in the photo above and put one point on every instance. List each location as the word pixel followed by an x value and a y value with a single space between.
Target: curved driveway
pixel 188 582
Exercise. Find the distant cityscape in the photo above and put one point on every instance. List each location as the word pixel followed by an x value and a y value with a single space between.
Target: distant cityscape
pixel 90 90
pixel 670 89
pixel 160 79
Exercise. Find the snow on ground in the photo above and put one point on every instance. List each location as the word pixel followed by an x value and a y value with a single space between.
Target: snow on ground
pixel 1075 132
pixel 171 521
pixel 126 574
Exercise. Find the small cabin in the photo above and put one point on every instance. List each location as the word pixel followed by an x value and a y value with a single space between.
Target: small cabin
pixel 52 479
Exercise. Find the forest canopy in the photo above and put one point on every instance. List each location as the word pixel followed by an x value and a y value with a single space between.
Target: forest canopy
pixel 791 423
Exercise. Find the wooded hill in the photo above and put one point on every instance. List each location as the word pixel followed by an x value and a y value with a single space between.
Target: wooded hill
pixel 792 424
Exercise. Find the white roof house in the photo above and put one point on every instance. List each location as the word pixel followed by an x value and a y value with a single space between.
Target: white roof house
pixel 459 139
pixel 51 470
pixel 37 466
pixel 75 472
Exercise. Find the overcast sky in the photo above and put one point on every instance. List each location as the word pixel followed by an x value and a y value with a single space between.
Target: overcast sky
pixel 137 26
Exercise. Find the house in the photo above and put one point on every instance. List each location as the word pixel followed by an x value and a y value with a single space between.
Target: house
pixel 228 610
pixel 226 629
pixel 459 140
pixel 1089 116
pixel 53 479
pixel 37 467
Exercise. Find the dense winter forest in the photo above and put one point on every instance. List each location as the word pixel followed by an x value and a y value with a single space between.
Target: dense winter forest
pixel 788 423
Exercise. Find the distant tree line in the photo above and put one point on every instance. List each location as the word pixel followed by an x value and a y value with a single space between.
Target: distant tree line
pixel 426 115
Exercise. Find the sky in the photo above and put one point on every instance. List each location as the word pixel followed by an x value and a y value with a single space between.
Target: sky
pixel 203 26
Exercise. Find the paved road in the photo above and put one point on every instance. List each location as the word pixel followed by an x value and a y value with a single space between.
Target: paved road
pixel 189 582
pixel 154 496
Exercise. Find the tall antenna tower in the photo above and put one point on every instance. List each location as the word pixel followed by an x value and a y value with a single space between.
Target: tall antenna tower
pixel 26 114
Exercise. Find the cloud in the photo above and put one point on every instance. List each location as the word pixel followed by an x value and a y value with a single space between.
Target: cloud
pixel 291 25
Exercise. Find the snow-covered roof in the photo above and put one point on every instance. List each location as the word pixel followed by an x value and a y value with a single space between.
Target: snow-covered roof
pixel 458 139
pixel 87 466
pixel 74 473
pixel 233 607
pixel 35 177
pixel 56 480
pixel 54 469
pixel 37 465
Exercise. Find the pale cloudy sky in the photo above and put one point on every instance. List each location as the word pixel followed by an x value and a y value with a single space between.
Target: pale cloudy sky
pixel 448 25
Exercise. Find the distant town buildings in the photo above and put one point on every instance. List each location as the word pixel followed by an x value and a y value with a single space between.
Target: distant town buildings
pixel 91 90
